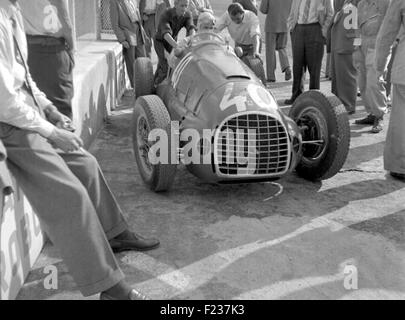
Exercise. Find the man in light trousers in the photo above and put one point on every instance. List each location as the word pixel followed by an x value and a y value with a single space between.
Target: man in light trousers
pixel 371 14
pixel 394 27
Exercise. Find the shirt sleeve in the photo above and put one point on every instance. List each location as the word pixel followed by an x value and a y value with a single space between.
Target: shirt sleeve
pixel 329 14
pixel 255 26
pixel 13 111
pixel 388 33
pixel 164 25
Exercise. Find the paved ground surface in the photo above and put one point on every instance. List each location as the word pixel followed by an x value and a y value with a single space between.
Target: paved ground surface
pixel 227 242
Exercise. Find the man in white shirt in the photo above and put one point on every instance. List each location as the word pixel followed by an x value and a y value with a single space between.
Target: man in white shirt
pixel 62 181
pixel 244 28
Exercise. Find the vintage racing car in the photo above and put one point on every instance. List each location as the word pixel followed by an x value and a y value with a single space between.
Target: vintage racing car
pixel 216 112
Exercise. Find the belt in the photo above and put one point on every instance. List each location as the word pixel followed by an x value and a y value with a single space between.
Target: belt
pixel 308 24
pixel 45 40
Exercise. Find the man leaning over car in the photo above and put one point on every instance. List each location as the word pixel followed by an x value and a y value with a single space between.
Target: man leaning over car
pixel 244 28
pixel 171 22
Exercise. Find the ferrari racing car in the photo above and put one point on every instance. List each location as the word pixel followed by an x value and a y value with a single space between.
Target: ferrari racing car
pixel 213 114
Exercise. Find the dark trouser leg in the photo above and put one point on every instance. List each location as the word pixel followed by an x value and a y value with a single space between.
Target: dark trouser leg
pixel 299 64
pixel 150 29
pixel 281 45
pixel 162 67
pixel 51 68
pixel 271 39
pixel 314 51
pixel 129 56
pixel 344 82
pixel 86 168
pixel 140 51
pixel 65 209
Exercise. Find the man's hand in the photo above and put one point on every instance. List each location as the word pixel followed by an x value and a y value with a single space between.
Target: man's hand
pixel 65 140
pixel 125 44
pixel 256 55
pixel 60 120
pixel 381 75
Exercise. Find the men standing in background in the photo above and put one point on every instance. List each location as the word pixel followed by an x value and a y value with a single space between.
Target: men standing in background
pixel 277 12
pixel 309 21
pixel 370 18
pixel 394 22
pixel 199 6
pixel 127 25
pixel 50 48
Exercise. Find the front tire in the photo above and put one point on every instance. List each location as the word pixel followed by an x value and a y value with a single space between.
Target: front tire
pixel 150 114
pixel 325 129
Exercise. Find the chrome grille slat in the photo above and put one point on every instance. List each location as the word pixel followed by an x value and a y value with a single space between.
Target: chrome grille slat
pixel 271 154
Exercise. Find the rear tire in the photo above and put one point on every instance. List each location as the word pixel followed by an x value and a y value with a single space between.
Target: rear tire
pixel 143 74
pixel 149 114
pixel 321 118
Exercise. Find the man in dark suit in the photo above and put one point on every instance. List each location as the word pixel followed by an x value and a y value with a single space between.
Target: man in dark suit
pixel 309 21
pixel 127 25
pixel 277 12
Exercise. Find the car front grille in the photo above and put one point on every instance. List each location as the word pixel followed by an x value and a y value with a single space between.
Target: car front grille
pixel 251 145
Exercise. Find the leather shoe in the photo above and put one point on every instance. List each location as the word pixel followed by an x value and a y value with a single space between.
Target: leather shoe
pixel 133 295
pixel 133 242
pixel 369 120
pixel 399 176
pixel 377 126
